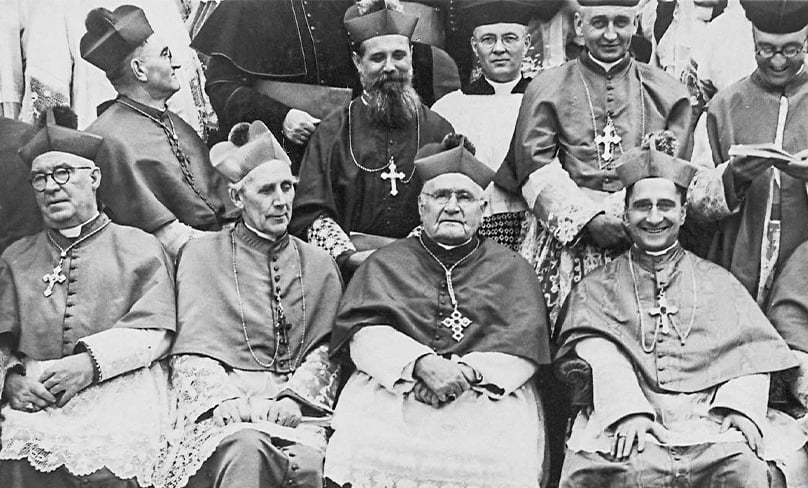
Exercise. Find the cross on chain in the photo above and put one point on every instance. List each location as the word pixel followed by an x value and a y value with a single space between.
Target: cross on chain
pixel 393 175
pixel 609 139
pixel 457 322
pixel 53 278
pixel 663 312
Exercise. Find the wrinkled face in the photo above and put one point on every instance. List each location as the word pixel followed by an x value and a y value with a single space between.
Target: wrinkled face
pixel 500 49
pixel 265 199
pixel 606 31
pixel 454 220
pixel 157 68
pixel 654 213
pixel 778 70
pixel 73 202
pixel 384 57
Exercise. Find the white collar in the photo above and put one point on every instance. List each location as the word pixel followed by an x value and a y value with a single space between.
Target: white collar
pixel 606 66
pixel 75 231
pixel 448 247
pixel 662 252
pixel 259 233
pixel 503 88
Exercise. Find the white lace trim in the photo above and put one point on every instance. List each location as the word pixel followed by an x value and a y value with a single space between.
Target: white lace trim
pixel 326 234
pixel 706 199
pixel 116 425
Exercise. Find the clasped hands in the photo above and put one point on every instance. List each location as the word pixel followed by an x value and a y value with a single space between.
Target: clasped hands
pixel 637 427
pixel 284 411
pixel 61 380
pixel 440 381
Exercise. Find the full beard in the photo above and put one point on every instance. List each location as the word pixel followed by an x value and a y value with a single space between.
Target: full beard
pixel 391 99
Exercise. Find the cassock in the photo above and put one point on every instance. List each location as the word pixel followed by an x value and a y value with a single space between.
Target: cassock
pixel 19 215
pixel 677 338
pixel 342 176
pixel 117 303
pixel 565 177
pixel 307 44
pixel 391 315
pixel 485 112
pixel 56 74
pixel 234 343
pixel 150 180
pixel 769 216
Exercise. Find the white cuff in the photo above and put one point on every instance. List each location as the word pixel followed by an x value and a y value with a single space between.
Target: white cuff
pixel 120 350
pixel 387 355
pixel 502 374
pixel 748 395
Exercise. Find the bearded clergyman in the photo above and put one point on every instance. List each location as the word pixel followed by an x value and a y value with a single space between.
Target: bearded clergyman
pixel 358 173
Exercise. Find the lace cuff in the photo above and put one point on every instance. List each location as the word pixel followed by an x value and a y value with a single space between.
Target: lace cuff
pixel 8 362
pixel 560 205
pixel 199 385
pixel 315 382
pixel 118 351
pixel 326 234
pixel 706 197
pixel 43 97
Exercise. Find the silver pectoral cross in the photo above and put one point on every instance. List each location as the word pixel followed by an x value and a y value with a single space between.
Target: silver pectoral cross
pixel 610 139
pixel 53 278
pixel 663 312
pixel 457 322
pixel 392 175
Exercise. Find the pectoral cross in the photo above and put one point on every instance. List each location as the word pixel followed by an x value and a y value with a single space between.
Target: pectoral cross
pixel 609 139
pixel 393 175
pixel 457 322
pixel 662 312
pixel 53 278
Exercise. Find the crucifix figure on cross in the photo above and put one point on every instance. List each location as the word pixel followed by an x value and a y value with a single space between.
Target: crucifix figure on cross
pixel 610 139
pixel 53 278
pixel 393 175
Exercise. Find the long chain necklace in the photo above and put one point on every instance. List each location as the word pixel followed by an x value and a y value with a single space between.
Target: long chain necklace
pixel 56 276
pixel 280 315
pixel 392 174
pixel 659 325
pixel 610 137
pixel 174 143
pixel 456 321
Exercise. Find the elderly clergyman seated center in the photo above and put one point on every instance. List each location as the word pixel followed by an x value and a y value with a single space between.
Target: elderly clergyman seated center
pixel 446 331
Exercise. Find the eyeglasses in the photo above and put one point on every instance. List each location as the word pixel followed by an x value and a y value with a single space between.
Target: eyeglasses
pixel 60 175
pixel 767 51
pixel 488 41
pixel 442 197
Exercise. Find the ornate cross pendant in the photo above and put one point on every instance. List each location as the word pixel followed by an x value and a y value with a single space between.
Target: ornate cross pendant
pixel 53 278
pixel 663 312
pixel 610 139
pixel 392 175
pixel 457 322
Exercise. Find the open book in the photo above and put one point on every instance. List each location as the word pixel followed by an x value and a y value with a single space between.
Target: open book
pixel 767 150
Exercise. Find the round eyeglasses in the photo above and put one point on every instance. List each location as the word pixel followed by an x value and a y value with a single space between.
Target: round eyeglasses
pixel 60 175
pixel 789 51
pixel 442 197
pixel 488 41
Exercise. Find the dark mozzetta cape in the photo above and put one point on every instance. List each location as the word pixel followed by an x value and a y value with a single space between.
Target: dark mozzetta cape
pixel 209 316
pixel 555 116
pixel 143 184
pixel 788 305
pixel 120 277
pixel 730 337
pixel 332 184
pixel 19 215
pixel 402 286
pixel 746 113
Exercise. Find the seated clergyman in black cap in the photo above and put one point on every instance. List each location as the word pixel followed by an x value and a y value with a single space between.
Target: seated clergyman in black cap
pixel 680 356
pixel 86 310
pixel 157 172
pixel 446 331
pixel 768 207
pixel 250 365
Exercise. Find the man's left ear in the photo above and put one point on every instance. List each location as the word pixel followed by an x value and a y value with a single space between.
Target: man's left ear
pixel 95 177
pixel 684 214
pixel 235 197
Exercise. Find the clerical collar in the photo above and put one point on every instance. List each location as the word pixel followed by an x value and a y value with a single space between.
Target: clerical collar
pixel 149 110
pixel 75 231
pixel 449 256
pixel 259 233
pixel 505 88
pixel 799 79
pixel 259 240
pixel 658 259
pixel 589 61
